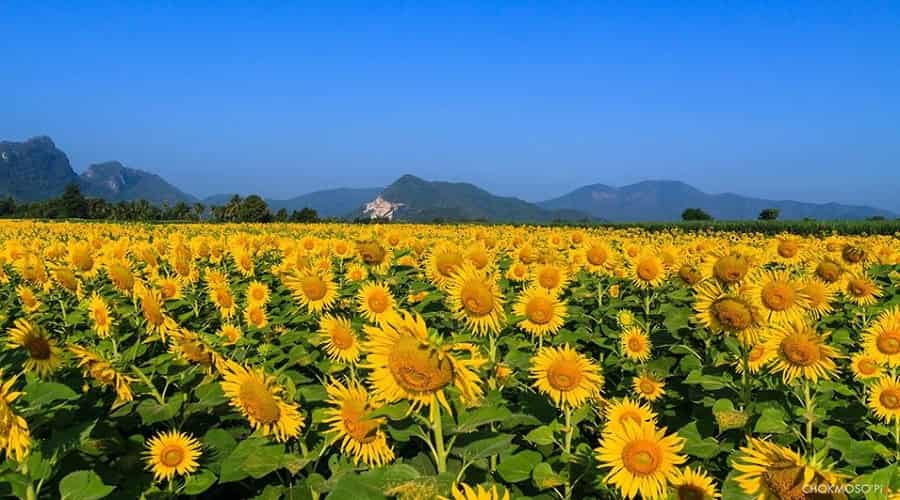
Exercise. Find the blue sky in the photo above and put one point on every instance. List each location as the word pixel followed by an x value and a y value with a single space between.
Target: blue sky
pixel 794 100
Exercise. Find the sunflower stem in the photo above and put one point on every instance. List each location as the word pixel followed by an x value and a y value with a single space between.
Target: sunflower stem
pixel 809 404
pixel 897 440
pixel 440 454
pixel 745 377
pixel 159 397
pixel 567 450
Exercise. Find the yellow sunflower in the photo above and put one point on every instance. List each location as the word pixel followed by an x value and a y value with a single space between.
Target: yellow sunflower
pixel 317 292
pixel 256 395
pixel 865 366
pixel 568 377
pixel 729 266
pixel 648 387
pixel 43 353
pixel 466 492
pixel 884 399
pixel 375 302
pixel 27 298
pixel 694 484
pixel 340 340
pixel 443 262
pixel 827 269
pixel 769 471
pixel 406 364
pixel 543 313
pixel 356 273
pixel 361 437
pixel 257 293
pixel 474 297
pixel 98 312
pixel 690 273
pixel 170 453
pixel 821 296
pixel 550 277
pixel 66 279
pixel 15 438
pixel 647 270
pixel 599 258
pixel 636 344
pixel 727 311
pixel 102 371
pixel 373 255
pixel 231 333
pixel 777 296
pixel 800 352
pixel 625 318
pixel 882 338
pixel 625 410
pixel 517 272
pixel 758 356
pixel 642 459
pixel 169 288
pixel 861 290
pixel 255 315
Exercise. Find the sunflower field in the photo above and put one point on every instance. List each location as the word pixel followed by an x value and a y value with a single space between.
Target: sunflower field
pixel 339 361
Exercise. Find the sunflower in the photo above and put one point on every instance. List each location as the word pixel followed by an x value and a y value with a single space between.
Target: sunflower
pixel 884 398
pixel 406 364
pixel 15 438
pixel 443 262
pixel 66 279
pixel 690 273
pixel 169 288
pixel 861 290
pixel 642 459
pixel 100 370
pixel 820 295
pixel 257 293
pixel 81 258
pixel 800 352
pixel 43 353
pixel 727 311
pixel 474 297
pixel 375 302
pixel 231 333
pixel 255 315
pixel 598 257
pixel 757 357
pixel 769 471
pixel 777 296
pixel 881 339
pixel 356 273
pixel 567 376
pixel 625 318
pixel 189 347
pixel 854 255
pixel 517 272
pixel 466 492
pixel 827 269
pixel 373 255
pixel 694 484
pixel 731 265
pixel 98 311
pixel 865 366
pixel 243 260
pixel 550 277
pixel 787 249
pixel 340 340
pixel 256 395
pixel 625 410
pixel 542 312
pixel 361 437
pixel 636 344
pixel 27 298
pixel 647 270
pixel 648 387
pixel 154 315
pixel 171 453
pixel 120 276
pixel 316 291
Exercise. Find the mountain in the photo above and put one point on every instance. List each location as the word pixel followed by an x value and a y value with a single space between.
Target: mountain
pixel 665 200
pixel 327 202
pixel 413 199
pixel 114 182
pixel 34 170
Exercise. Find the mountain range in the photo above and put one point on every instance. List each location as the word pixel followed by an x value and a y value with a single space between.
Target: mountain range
pixel 36 169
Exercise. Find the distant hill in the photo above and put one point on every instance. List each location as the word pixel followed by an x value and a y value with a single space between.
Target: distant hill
pixel 415 199
pixel 34 170
pixel 328 202
pixel 665 200
pixel 113 182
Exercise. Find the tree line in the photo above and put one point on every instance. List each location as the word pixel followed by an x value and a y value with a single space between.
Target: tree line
pixel 72 204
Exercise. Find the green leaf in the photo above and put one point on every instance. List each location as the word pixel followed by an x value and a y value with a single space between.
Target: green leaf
pixel 772 421
pixel 484 448
pixel 41 393
pixel 470 421
pixel 540 436
pixel 856 453
pixel 83 485
pixel 196 484
pixel 544 477
pixel 396 411
pixel 518 467
pixel 695 445
pixel 708 382
pixel 353 486
pixel 254 457
pixel 152 412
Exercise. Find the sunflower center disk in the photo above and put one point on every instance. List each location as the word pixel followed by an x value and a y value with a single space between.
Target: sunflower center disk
pixel 596 256
pixel 549 278
pixel 564 375
pixel 778 296
pixel 417 368
pixel 787 249
pixel 478 299
pixel 171 456
pixel 731 268
pixel 800 350
pixel 447 263
pixel 378 302
pixel 362 430
pixel 648 387
pixel 828 271
pixel 539 310
pixel 341 338
pixel 867 367
pixel 38 348
pixel 313 287
pixel 635 344
pixel 647 270
pixel 690 492
pixel 888 342
pixel 785 480
pixel 890 399
pixel 733 314
pixel 258 402
pixel 641 457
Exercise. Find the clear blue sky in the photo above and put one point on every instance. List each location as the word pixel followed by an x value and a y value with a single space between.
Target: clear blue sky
pixel 790 99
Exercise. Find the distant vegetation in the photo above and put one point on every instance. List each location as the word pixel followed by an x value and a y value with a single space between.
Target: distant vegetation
pixel 695 214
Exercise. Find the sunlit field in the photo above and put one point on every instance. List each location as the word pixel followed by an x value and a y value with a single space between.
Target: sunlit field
pixel 464 362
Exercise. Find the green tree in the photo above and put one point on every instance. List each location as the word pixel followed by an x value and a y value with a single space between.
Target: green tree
pixel 73 204
pixel 695 214
pixel 305 215
pixel 769 214
pixel 253 209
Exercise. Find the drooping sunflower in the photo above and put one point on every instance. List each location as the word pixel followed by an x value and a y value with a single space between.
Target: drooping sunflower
pixel 340 340
pixel 550 277
pixel 98 312
pixel 800 352
pixel 769 471
pixel 474 298
pixel 648 387
pixel 406 364
pixel 884 399
pixel 28 298
pixel 81 257
pixel 861 289
pixel 826 268
pixel 568 377
pixel 690 273
pixel 821 296
pixel 882 338
pixel 231 333
pixel 543 312
pixel 170 453
pixel 777 296
pixel 694 484
pixel 466 492
pixel 120 275
pixel 627 409
pixel 865 366
pixel 169 288
pixel 67 280
pixel 154 315
pixel 43 353
pixel 375 302
pixel 727 311
pixel 361 437
pixel 258 397
pixel 373 255
pixel 102 371
pixel 636 344
pixel 647 270
pixel 189 347
pixel 642 459
pixel 15 437
pixel 316 291
pixel 257 293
